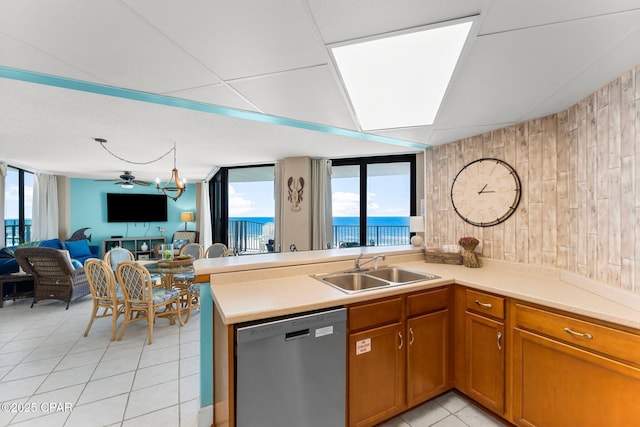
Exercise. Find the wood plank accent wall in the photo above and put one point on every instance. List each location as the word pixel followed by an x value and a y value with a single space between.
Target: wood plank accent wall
pixel 580 171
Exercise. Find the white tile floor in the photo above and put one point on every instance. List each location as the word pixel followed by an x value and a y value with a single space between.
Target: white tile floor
pixel 50 375
pixel 46 363
pixel 451 409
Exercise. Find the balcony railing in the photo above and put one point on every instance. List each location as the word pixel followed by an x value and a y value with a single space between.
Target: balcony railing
pixel 246 237
pixel 377 235
pixel 12 232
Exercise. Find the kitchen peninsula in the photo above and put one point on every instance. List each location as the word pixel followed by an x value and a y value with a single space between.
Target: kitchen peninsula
pixel 525 315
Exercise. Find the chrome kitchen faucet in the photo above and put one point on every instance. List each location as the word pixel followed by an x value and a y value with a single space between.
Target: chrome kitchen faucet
pixel 358 264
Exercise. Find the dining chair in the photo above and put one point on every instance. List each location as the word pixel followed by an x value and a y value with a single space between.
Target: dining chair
pixel 114 256
pixel 193 249
pixel 105 293
pixel 196 252
pixel 217 250
pixel 189 291
pixel 144 300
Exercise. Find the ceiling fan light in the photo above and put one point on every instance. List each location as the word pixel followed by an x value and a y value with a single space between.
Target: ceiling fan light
pixel 126 185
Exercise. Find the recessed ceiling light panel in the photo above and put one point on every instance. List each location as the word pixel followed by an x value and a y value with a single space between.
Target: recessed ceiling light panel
pixel 400 80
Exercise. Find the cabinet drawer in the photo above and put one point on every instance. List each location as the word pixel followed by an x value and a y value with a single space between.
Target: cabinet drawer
pixel 428 301
pixel 613 342
pixel 480 302
pixel 376 313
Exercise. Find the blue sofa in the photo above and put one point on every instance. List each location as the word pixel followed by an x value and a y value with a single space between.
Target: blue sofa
pixel 79 250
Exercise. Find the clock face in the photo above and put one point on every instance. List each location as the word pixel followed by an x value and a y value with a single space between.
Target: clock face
pixel 486 192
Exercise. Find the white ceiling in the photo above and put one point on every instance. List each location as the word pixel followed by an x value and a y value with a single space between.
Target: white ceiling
pixel 146 73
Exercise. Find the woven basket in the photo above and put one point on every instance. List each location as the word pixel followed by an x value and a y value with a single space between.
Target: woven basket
pixel 175 262
pixel 439 257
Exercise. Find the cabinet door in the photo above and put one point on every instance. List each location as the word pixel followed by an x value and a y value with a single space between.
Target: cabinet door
pixel 376 374
pixel 427 356
pixel 485 361
pixel 557 384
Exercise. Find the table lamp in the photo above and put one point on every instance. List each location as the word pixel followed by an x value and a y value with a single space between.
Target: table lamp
pixel 416 225
pixel 187 217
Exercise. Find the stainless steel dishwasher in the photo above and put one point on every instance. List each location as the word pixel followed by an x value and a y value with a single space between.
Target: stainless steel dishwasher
pixel 291 372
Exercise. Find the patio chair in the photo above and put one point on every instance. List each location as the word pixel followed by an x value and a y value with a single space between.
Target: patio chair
pixel 54 275
pixel 143 300
pixel 105 293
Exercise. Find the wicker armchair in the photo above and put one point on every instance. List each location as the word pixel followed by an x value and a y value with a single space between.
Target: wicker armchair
pixel 54 276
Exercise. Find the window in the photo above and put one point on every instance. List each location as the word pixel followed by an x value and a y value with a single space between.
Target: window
pixel 18 199
pixel 372 200
pixel 243 208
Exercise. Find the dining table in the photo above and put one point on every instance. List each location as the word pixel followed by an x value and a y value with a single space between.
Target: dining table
pixel 166 271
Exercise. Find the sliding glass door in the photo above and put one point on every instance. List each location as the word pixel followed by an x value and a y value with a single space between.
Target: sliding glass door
pixel 243 208
pixel 18 199
pixel 373 199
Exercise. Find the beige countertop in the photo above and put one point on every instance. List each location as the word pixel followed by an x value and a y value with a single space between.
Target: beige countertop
pixel 258 287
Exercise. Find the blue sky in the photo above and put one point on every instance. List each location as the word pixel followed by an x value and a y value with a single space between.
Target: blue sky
pixel 11 195
pixel 251 199
pixel 388 196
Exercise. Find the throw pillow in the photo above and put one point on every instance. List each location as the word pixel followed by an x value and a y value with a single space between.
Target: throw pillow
pixel 51 243
pixel 7 252
pixel 68 258
pixel 78 248
pixel 177 244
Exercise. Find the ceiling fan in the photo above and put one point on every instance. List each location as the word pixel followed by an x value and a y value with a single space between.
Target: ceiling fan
pixel 127 180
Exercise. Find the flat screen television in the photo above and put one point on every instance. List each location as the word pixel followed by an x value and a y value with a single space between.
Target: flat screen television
pixel 136 207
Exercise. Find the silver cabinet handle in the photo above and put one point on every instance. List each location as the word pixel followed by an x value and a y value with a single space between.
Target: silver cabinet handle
pixel 401 340
pixel 411 337
pixel 484 304
pixel 578 334
pixel 499 338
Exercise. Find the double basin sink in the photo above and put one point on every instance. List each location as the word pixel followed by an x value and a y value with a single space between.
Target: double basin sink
pixel 365 280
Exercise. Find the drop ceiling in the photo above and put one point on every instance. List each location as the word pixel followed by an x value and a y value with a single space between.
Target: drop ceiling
pixel 240 82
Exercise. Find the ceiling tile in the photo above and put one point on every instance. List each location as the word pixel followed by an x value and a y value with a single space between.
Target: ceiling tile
pixel 342 20
pixel 420 134
pixel 15 54
pixel 532 64
pixel 239 39
pixel 310 94
pixel 219 94
pixel 604 69
pixel 106 40
pixel 507 15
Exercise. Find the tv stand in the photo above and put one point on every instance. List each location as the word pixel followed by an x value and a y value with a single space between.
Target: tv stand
pixel 134 244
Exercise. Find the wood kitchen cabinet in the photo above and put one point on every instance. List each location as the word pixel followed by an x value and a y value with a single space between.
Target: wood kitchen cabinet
pixel 428 367
pixel 376 375
pixel 485 349
pixel 398 354
pixel 570 371
pixel 375 361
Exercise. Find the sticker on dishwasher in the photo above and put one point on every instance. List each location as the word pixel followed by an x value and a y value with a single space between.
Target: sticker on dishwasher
pixel 321 332
pixel 363 346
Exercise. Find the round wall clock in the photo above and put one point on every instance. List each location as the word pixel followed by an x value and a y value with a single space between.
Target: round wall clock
pixel 486 192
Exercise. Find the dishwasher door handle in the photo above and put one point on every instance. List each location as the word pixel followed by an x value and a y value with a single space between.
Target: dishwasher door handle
pixel 302 333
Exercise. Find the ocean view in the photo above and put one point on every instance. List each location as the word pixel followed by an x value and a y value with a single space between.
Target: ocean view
pixel 343 220
pixel 246 233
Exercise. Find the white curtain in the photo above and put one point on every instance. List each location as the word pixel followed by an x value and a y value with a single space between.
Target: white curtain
pixel 45 207
pixel 205 208
pixel 321 212
pixel 279 208
pixel 3 175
